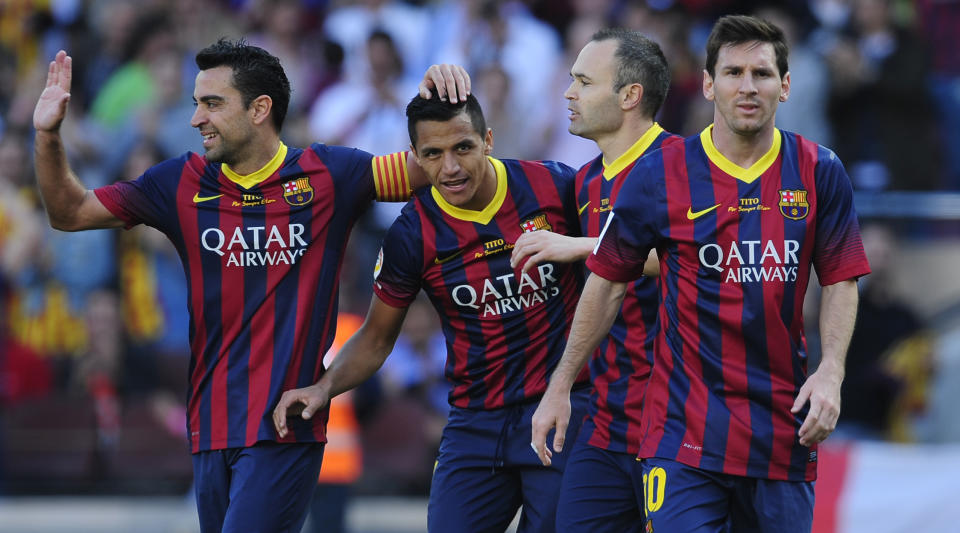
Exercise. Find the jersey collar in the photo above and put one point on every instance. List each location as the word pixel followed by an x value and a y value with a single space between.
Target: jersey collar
pixel 747 175
pixel 485 215
pixel 633 153
pixel 251 180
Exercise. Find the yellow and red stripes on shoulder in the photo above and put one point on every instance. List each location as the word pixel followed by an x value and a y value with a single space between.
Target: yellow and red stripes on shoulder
pixel 391 177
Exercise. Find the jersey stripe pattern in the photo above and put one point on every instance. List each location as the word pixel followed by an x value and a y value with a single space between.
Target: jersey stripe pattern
pixel 505 332
pixel 735 246
pixel 262 261
pixel 620 368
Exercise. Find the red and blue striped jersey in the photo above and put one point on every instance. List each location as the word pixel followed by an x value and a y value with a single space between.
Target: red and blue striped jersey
pixel 505 332
pixel 262 256
pixel 621 366
pixel 736 246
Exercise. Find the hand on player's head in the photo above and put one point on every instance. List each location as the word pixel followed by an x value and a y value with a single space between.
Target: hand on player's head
pixel 450 81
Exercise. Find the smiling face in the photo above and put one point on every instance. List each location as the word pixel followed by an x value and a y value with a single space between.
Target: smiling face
pixel 594 105
pixel 454 157
pixel 746 89
pixel 227 126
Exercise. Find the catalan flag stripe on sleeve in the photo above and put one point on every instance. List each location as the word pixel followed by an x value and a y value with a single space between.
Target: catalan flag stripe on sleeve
pixel 391 177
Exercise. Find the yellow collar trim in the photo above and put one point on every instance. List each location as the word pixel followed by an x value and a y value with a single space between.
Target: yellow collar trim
pixel 747 175
pixel 250 180
pixel 486 215
pixel 633 153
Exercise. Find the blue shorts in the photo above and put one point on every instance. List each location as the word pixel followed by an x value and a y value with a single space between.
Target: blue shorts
pixel 688 499
pixel 601 492
pixel 486 470
pixel 261 489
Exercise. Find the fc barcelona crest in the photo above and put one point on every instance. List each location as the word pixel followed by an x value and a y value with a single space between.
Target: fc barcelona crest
pixel 298 191
pixel 793 204
pixel 536 223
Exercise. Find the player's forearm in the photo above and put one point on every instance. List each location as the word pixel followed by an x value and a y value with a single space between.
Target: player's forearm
pixel 357 361
pixel 838 313
pixel 596 311
pixel 62 192
pixel 582 246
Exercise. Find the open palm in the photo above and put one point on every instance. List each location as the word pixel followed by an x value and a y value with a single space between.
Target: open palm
pixel 52 105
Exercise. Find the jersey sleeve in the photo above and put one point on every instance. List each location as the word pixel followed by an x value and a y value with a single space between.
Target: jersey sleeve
pixel 148 199
pixel 630 231
pixel 384 178
pixel 398 274
pixel 838 253
pixel 390 177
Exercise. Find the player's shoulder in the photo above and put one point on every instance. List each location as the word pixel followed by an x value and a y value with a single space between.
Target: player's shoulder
pixel 175 167
pixel 809 151
pixel 407 227
pixel 332 153
pixel 534 167
pixel 592 167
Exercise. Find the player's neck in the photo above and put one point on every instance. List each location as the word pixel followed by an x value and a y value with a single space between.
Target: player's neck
pixel 617 143
pixel 257 155
pixel 742 149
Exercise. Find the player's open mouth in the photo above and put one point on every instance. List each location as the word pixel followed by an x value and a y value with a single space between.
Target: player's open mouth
pixel 455 185
pixel 208 138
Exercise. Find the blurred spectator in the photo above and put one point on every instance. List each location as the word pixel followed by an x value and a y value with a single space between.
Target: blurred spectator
pixel 342 455
pixel 282 32
pixel 22 372
pixel 505 115
pixel 415 367
pixel 401 437
pixel 940 24
pixel 369 113
pixel 883 125
pixel 477 33
pixel 105 44
pixel 407 25
pixel 871 388
pixel 133 84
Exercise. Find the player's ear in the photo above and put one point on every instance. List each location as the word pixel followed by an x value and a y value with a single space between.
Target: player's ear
pixel 785 87
pixel 488 142
pixel 260 108
pixel 707 85
pixel 630 96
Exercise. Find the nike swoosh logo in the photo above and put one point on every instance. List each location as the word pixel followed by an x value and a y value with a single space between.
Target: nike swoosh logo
pixel 691 215
pixel 197 198
pixel 438 261
pixel 580 211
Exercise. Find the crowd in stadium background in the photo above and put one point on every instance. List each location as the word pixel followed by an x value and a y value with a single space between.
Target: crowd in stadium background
pixel 93 325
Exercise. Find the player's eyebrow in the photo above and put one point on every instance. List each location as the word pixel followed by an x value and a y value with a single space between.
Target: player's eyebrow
pixel 209 98
pixel 579 76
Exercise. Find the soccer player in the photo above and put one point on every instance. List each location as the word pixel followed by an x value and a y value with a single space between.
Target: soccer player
pixel 620 80
pixel 738 215
pixel 260 229
pixel 505 331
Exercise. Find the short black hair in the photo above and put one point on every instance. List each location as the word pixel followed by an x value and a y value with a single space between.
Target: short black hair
pixel 639 60
pixel 256 72
pixel 732 30
pixel 420 109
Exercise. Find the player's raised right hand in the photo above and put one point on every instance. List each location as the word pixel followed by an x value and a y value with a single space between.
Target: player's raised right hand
pixel 302 402
pixel 52 105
